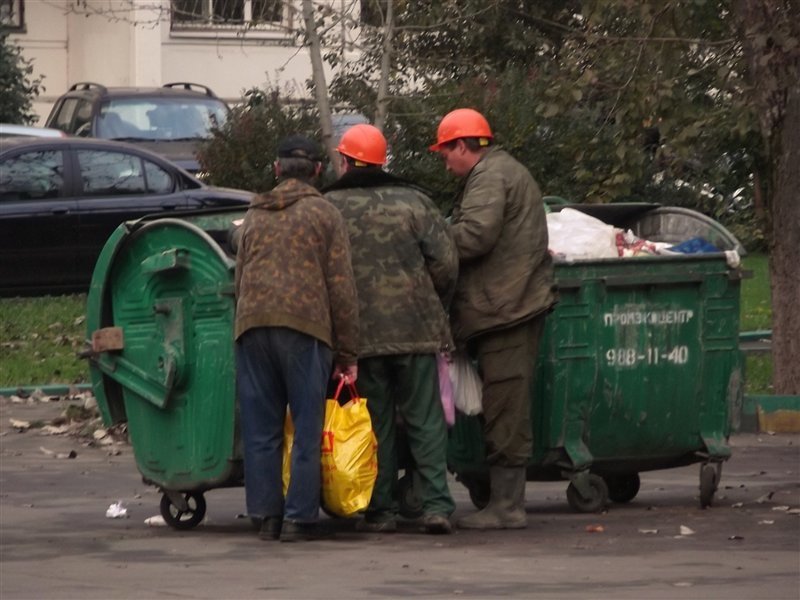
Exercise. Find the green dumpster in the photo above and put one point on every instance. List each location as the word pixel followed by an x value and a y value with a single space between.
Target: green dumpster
pixel 160 320
pixel 639 367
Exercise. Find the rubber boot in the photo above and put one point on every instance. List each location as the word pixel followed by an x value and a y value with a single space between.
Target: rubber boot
pixel 506 508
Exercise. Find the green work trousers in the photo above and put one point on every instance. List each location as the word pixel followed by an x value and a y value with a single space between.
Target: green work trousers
pixel 506 363
pixel 406 385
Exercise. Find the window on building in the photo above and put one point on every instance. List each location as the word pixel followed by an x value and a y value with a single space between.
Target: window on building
pixel 227 14
pixel 12 13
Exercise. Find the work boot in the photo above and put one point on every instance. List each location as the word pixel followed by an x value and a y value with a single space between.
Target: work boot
pixel 436 524
pixel 506 508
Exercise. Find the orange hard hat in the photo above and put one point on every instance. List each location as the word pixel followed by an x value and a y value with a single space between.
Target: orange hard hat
pixel 461 123
pixel 364 143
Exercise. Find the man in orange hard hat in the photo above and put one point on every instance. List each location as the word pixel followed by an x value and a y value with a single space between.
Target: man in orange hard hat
pixel 405 265
pixel 505 288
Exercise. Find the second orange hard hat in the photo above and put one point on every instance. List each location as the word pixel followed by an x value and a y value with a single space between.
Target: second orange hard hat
pixel 461 123
pixel 364 143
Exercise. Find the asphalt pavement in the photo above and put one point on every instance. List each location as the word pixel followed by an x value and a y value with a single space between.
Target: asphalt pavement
pixel 56 540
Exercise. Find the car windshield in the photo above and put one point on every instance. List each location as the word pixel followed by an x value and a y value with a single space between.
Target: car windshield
pixel 160 118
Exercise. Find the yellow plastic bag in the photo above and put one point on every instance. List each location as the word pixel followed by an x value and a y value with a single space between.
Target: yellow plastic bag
pixel 349 460
pixel 349 455
pixel 288 440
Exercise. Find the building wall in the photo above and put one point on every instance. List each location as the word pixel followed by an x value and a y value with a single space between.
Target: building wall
pixel 129 43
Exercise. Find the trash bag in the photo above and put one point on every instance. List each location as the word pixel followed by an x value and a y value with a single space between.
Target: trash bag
pixel 467 385
pixel 573 235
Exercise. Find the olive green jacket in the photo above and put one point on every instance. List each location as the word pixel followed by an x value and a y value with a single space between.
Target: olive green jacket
pixel 293 269
pixel 500 229
pixel 404 260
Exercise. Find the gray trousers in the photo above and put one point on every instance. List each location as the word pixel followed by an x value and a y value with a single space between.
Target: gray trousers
pixel 507 362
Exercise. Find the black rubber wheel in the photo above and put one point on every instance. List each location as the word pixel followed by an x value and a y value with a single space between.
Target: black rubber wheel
pixel 709 479
pixel 184 519
pixel 410 506
pixel 623 487
pixel 597 499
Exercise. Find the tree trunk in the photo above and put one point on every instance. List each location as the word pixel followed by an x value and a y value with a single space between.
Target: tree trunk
pixel 382 99
pixel 785 253
pixel 774 73
pixel 320 84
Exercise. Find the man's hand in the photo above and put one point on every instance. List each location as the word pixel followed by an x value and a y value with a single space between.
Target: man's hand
pixel 347 372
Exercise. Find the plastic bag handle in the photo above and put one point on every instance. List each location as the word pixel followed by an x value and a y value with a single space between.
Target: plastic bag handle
pixel 351 387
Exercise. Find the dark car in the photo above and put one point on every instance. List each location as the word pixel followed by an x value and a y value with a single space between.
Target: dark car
pixel 61 198
pixel 172 120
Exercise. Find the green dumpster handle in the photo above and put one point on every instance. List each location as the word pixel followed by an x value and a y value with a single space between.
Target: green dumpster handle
pixel 138 380
pixel 655 279
pixel 555 200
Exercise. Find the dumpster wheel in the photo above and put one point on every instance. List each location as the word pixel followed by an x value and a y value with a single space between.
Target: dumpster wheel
pixel 410 506
pixel 622 487
pixel 596 499
pixel 186 517
pixel 709 480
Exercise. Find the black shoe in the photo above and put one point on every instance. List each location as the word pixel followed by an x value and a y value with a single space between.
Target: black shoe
pixel 293 531
pixel 437 524
pixel 270 528
pixel 387 526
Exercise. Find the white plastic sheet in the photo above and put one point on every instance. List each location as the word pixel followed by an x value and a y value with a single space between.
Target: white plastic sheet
pixel 574 235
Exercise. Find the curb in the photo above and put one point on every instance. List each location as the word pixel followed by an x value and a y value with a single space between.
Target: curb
pixel 49 390
pixel 778 414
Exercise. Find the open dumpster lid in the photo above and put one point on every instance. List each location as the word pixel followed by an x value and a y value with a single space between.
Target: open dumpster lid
pixel 657 223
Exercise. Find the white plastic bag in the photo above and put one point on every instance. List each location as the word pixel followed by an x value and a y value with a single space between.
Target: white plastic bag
pixel 574 235
pixel 467 385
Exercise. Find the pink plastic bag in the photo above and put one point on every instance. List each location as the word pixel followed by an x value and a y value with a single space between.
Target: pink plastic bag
pixel 446 389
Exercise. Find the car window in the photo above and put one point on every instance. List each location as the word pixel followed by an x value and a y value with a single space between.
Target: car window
pixel 163 118
pixel 107 173
pixel 32 175
pixel 63 118
pixel 158 180
pixel 83 119
pixel 117 173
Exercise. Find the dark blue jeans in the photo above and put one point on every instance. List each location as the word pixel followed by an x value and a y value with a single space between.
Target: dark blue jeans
pixel 278 367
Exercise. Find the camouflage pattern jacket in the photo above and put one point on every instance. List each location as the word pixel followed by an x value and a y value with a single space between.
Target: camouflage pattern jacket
pixel 293 269
pixel 500 228
pixel 404 260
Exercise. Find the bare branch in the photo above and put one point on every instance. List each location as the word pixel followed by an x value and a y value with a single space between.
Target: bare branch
pixel 320 85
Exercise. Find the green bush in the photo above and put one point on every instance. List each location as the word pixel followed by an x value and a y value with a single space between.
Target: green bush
pixel 241 153
pixel 17 87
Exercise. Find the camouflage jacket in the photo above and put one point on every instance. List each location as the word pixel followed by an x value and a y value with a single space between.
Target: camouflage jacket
pixel 500 228
pixel 404 262
pixel 293 269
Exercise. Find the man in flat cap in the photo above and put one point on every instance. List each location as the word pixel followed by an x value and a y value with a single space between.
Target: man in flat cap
pixel 296 319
